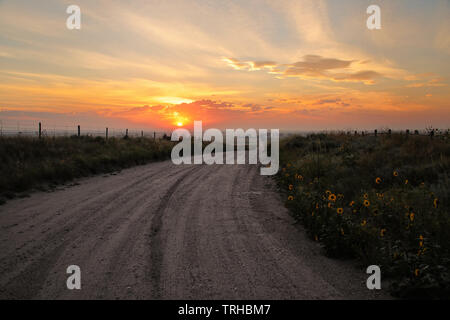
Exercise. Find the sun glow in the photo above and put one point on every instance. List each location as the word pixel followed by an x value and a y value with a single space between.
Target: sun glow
pixel 173 100
pixel 178 119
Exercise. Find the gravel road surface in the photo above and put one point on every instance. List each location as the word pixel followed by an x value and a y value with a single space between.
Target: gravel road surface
pixel 162 231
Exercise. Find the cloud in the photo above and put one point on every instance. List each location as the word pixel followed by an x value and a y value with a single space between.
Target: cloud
pixel 207 104
pixel 249 65
pixel 258 65
pixel 310 67
pixel 426 85
pixel 253 107
pixel 364 76
pixel 313 65
pixel 209 111
pixel 419 76
pixel 336 101
pixel 427 80
pixel 325 101
pixel 140 110
pixel 236 64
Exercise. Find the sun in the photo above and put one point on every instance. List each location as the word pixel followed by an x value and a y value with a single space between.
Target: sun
pixel 178 119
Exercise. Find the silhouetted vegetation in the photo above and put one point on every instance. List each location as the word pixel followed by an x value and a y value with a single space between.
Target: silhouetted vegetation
pixel 384 200
pixel 27 162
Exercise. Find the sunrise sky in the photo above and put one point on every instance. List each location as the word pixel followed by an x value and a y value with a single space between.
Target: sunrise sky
pixel 293 65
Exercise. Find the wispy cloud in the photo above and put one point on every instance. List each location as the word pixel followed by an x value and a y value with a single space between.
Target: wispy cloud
pixel 311 67
pixel 426 80
pixel 261 62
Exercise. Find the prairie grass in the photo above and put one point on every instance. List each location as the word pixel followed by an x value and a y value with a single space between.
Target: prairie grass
pixel 27 162
pixel 384 200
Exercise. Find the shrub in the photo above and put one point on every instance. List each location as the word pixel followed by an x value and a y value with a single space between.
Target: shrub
pixel 27 162
pixel 384 200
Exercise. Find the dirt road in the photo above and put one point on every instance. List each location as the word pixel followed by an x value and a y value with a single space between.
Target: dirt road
pixel 162 231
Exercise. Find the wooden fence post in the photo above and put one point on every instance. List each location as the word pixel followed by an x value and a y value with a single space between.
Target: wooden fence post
pixel 142 133
pixel 154 135
pixel 40 130
pixel 78 130
pixel 126 133
pixel 375 132
pixel 106 134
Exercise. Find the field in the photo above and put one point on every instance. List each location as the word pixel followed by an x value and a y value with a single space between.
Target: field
pixel 28 162
pixel 381 199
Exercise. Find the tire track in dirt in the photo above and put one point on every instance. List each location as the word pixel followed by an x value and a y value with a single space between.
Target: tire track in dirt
pixel 65 230
pixel 157 237
pixel 162 231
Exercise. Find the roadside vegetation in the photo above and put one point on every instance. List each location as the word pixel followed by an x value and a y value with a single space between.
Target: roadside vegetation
pixel 382 199
pixel 27 162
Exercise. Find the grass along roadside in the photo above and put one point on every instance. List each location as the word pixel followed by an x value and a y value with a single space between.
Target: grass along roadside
pixel 27 162
pixel 384 200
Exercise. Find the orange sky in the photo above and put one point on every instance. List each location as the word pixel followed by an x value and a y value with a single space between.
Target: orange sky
pixel 293 65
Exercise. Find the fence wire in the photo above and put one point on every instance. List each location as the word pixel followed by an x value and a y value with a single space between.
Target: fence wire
pixel 49 130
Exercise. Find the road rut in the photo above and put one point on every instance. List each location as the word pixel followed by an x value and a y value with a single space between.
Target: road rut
pixel 162 231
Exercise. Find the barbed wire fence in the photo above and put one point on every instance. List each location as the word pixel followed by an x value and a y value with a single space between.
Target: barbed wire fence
pixel 43 129
pixel 431 132
pixel 11 128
